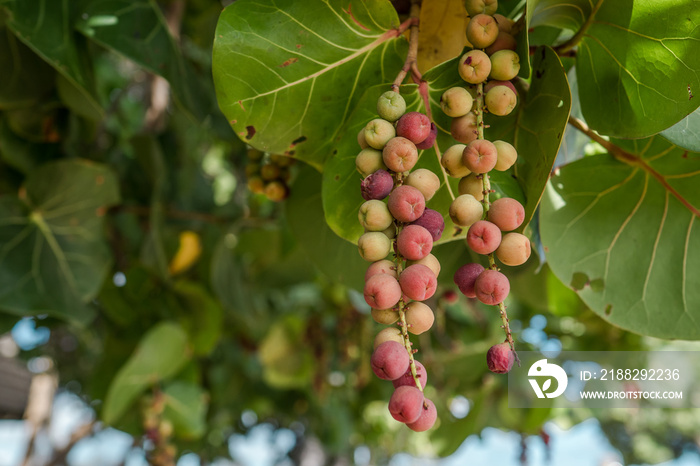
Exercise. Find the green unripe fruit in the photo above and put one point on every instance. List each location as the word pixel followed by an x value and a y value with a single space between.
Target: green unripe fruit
pixel 501 100
pixel 482 31
pixel 270 171
pixel 374 246
pixel 424 181
pixel 456 102
pixel 514 249
pixel 505 65
pixel 385 316
pixel 474 67
pixel 276 191
pixel 507 155
pixel 391 106
pixel 475 7
pixel 378 132
pixel 374 215
pixel 388 334
pixel 369 161
pixel 465 210
pixel 472 185
pixel 452 161
pixel 256 185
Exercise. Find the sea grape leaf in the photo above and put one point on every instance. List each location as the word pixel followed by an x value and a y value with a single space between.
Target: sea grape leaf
pixel 637 66
pixel 571 14
pixel 137 30
pixel 540 126
pixel 54 256
pixel 287 73
pixel 25 77
pixel 161 353
pixel 186 408
pixel 442 32
pixel 625 236
pixel 204 316
pixel 46 26
pixel 685 133
pixel 338 259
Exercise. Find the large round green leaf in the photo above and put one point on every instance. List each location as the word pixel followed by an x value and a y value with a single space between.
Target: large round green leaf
pixel 288 73
pixel 638 66
pixel 624 235
pixel 54 256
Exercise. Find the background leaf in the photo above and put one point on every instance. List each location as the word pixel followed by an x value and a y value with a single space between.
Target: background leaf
pixel 54 257
pixel 685 133
pixel 570 14
pixel 161 353
pixel 337 258
pixel 540 126
pixel 289 88
pixel 138 30
pixel 186 407
pixel 628 57
pixel 619 235
pixel 46 26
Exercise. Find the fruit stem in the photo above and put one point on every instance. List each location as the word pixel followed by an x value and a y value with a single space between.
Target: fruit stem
pixel 403 325
pixel 487 191
pixel 407 343
pixel 573 42
pixel 444 172
pixel 412 56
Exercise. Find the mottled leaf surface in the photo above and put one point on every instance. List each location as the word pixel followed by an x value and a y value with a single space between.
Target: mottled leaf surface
pixel 289 73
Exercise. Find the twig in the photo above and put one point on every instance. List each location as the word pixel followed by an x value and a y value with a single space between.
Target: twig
pixel 573 42
pixel 411 57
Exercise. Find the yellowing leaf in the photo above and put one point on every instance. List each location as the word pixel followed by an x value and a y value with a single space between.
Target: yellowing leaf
pixel 442 32
pixel 187 254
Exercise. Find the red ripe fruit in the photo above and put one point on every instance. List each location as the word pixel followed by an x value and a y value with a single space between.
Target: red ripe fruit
pixel 465 278
pixel 378 185
pixel 413 126
pixel 406 404
pixel 407 377
pixel 390 360
pixel 500 358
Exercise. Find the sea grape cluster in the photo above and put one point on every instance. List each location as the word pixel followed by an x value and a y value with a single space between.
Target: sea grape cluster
pixel 268 174
pixel 487 70
pixel 398 239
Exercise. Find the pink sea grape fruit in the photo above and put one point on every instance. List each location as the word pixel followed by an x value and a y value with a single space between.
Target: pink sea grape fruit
pixel 500 358
pixel 390 361
pixel 427 417
pixel 483 237
pixel 406 203
pixel 378 185
pixel 407 377
pixel 418 282
pixel 430 140
pixel 491 287
pixel 432 221
pixel 382 291
pixel 465 278
pixel 414 242
pixel 406 404
pixel 414 126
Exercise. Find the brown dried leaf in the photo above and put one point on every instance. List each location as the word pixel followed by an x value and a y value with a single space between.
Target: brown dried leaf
pixel 442 32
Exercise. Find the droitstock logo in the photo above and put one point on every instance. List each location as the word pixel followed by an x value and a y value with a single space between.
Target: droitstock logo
pixel 542 368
